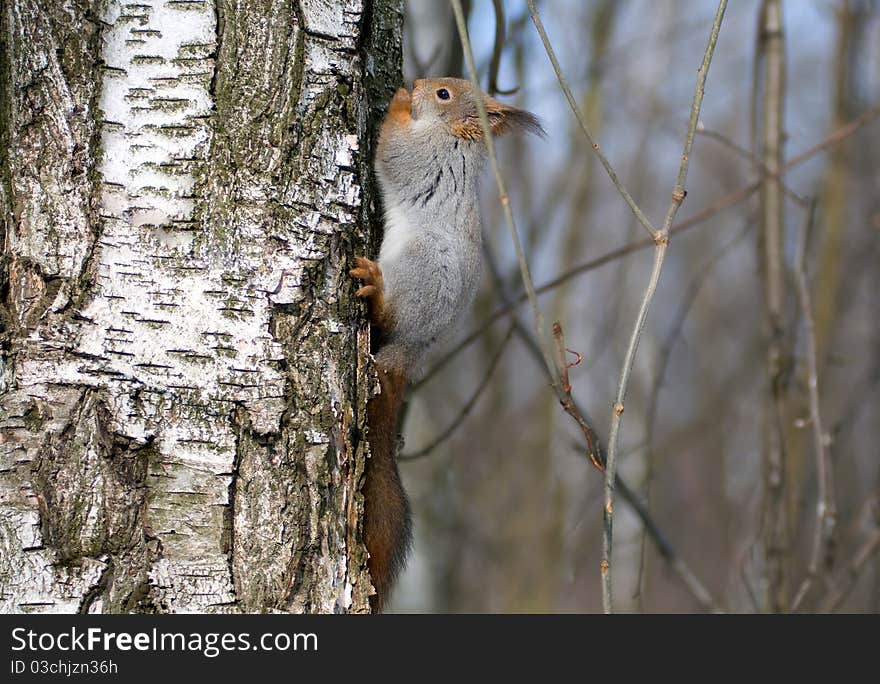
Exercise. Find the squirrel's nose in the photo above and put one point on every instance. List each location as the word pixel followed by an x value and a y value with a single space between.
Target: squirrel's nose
pixel 418 83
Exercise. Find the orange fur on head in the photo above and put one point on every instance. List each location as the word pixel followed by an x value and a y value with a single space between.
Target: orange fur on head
pixel 460 112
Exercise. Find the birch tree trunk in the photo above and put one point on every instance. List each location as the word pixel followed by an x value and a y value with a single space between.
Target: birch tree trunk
pixel 184 366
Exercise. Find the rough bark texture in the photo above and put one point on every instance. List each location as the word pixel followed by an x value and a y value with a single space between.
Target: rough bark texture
pixel 184 366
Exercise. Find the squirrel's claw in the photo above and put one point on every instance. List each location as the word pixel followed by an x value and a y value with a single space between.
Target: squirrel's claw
pixel 368 271
pixel 374 291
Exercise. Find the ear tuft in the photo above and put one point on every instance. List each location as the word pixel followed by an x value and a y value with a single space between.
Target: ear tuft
pixel 505 119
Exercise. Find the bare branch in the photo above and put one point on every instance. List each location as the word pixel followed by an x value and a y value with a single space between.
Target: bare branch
pixel 595 451
pixel 741 151
pixel 725 202
pixel 853 572
pixel 497 48
pixel 836 137
pixel 468 405
pixel 826 507
pixel 546 351
pixel 771 52
pixel 567 400
pixel 502 189
pixel 666 348
pixel 612 174
pixel 661 242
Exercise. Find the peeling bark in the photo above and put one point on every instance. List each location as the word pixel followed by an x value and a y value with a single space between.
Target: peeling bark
pixel 184 366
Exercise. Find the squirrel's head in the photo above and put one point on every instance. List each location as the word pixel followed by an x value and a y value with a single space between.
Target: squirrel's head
pixel 452 102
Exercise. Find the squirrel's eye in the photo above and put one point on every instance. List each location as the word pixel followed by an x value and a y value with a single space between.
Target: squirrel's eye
pixel 443 94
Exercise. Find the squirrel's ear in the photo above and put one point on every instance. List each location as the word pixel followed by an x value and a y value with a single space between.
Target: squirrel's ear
pixel 505 119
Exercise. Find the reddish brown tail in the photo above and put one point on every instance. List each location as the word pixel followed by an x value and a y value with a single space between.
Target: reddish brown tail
pixel 387 524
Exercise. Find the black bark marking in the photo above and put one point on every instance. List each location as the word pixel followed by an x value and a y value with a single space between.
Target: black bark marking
pixel 91 485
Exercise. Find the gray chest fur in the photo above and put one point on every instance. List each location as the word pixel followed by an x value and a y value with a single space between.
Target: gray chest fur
pixel 430 254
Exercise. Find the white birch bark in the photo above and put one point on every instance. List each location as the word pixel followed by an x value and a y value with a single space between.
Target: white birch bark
pixel 184 365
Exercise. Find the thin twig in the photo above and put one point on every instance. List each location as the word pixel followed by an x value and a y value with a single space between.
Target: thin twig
pixel 468 405
pixel 858 401
pixel 769 71
pixel 591 265
pixel 568 403
pixel 853 572
pixel 616 420
pixel 612 174
pixel 667 552
pixel 594 451
pixel 661 242
pixel 502 189
pixel 826 507
pixel 695 288
pixel 722 203
pixel 700 217
pixel 741 151
pixel 716 207
pixel 497 48
pixel 540 333
pixel 836 137
pixel 693 291
pixel 561 375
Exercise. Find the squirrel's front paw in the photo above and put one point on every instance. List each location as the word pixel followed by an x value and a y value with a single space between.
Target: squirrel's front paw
pixel 368 271
pixel 374 291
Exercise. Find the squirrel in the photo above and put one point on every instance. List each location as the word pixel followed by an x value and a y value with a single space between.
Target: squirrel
pixel 428 161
